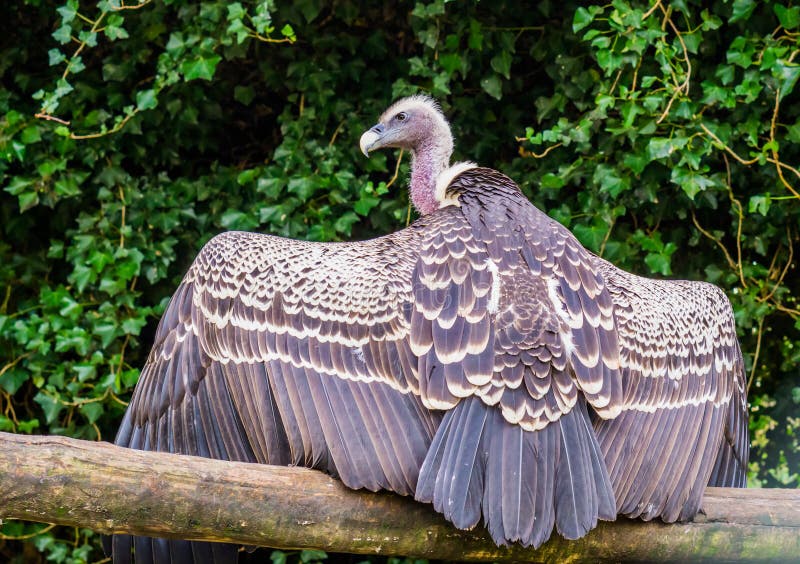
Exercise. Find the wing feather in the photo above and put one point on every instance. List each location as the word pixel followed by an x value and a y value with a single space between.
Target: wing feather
pixel 279 351
pixel 682 417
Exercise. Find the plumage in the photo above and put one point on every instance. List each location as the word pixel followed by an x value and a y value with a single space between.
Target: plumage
pixel 481 360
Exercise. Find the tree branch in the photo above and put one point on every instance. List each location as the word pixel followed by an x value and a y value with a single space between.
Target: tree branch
pixel 112 489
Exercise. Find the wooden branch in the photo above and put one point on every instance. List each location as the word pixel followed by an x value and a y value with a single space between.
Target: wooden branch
pixel 115 490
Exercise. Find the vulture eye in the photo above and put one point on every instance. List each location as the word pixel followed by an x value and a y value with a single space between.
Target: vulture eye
pixel 401 116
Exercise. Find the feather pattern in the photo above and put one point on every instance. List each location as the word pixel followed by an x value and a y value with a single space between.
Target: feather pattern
pixel 284 352
pixel 683 420
pixel 539 462
pixel 481 360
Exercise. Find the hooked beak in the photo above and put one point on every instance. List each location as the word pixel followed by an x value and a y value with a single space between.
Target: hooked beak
pixel 371 139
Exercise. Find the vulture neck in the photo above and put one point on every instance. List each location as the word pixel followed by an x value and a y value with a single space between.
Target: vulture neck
pixel 427 162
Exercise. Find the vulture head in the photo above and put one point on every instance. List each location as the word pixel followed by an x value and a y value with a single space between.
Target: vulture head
pixel 417 125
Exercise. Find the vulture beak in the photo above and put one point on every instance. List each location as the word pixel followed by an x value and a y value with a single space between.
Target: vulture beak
pixel 372 139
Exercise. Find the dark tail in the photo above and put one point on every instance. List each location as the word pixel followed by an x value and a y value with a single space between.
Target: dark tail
pixel 522 482
pixel 148 549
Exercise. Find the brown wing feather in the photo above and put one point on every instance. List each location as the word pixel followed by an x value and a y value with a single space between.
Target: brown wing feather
pixel 279 351
pixel 683 383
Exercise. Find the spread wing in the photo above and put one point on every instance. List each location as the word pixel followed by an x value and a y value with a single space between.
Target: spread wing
pixel 683 420
pixel 286 352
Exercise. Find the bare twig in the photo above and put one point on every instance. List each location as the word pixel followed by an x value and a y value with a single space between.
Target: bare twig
pixel 264 39
pixel 396 169
pixel 724 146
pixel 756 354
pixel 122 6
pixel 775 156
pixel 122 220
pixel 111 131
pixel 794 313
pixel 48 117
pixel 336 133
pixel 28 536
pixel 728 257
pixel 652 9
pixel 684 86
pixel 14 362
pixel 785 268
pixel 525 153
pixel 740 213
pixel 602 248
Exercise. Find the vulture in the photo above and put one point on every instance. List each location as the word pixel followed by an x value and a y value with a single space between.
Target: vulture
pixel 480 360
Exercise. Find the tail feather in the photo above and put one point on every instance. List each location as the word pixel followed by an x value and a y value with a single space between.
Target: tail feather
pixel 464 494
pixel 519 462
pixel 426 488
pixel 181 551
pixel 119 548
pixel 144 549
pixel 461 448
pixel 606 503
pixel 522 482
pixel 583 487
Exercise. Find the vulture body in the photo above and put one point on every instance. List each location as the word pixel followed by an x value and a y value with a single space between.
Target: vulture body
pixel 480 359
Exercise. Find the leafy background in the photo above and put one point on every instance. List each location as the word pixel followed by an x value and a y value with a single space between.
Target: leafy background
pixel 665 135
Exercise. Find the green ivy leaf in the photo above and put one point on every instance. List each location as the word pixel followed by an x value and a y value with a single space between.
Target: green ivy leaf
pixel 56 57
pixel 493 86
pixel 49 405
pixel 12 380
pixel 609 181
pixel 200 67
pixel 303 187
pixel 310 555
pixel 238 221
pixel 759 203
pixel 344 224
pixel 18 185
pixel 68 11
pixel 146 100
pixel 92 411
pixel 365 203
pixel 787 75
pixel 63 34
pixel 107 332
pixel 789 17
pixel 27 200
pixel 582 18
pixel 235 11
pixel 133 325
pixel 658 264
pixel 551 180
pixel 691 182
pixel 741 52
pixel 288 32
pixel 590 235
pixel 501 63
pixel 244 94
pixel 742 9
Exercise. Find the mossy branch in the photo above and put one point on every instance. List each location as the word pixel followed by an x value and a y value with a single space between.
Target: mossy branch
pixel 114 490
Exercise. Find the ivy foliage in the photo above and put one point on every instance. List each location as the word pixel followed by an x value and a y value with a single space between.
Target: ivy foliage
pixel 665 135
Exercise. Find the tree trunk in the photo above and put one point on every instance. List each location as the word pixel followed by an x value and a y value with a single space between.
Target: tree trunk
pixel 117 490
